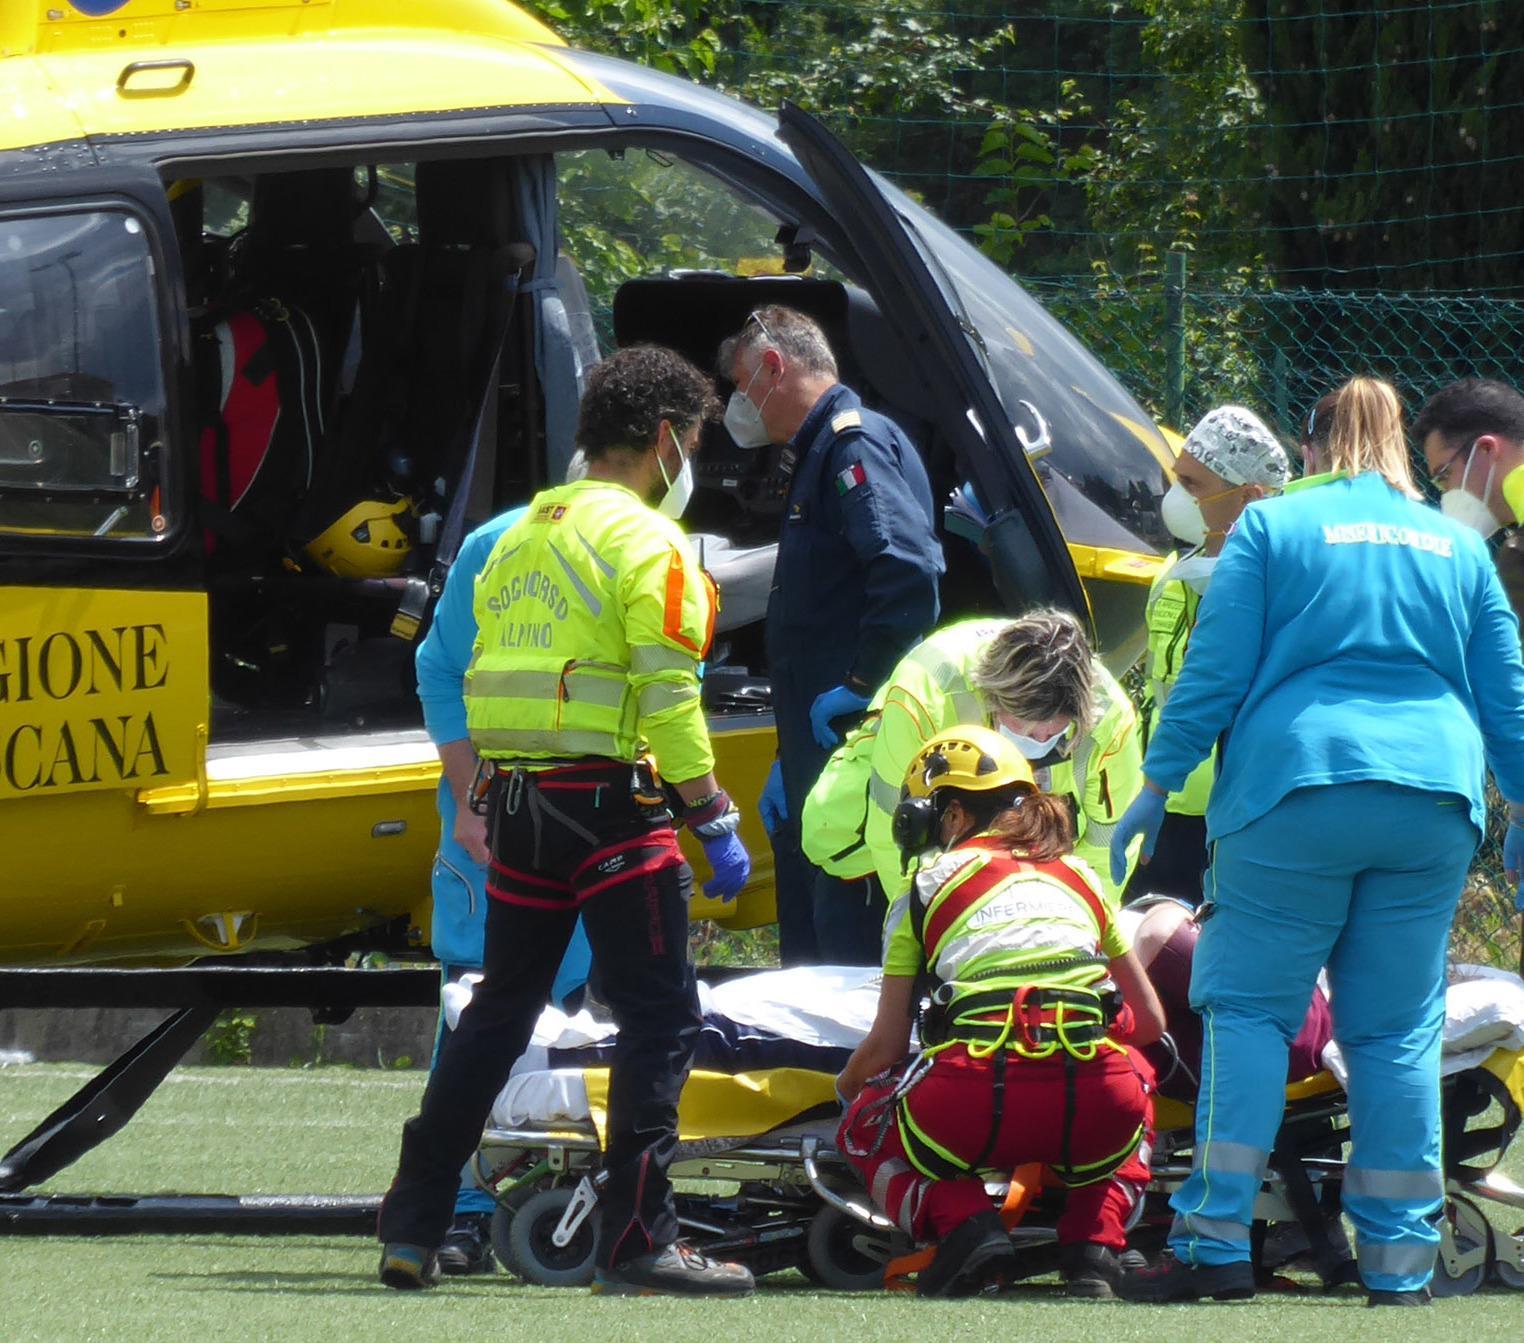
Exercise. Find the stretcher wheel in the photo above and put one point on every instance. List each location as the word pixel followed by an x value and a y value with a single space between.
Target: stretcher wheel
pixel 502 1219
pixel 846 1256
pixel 1508 1260
pixel 529 1251
pixel 1464 1250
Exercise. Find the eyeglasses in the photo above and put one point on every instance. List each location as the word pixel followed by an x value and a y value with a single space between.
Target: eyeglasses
pixel 756 317
pixel 1438 476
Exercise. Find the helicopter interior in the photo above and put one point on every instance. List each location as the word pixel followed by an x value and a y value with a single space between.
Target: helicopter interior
pixel 400 312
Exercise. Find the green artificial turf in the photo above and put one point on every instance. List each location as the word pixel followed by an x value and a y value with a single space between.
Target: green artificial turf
pixel 335 1131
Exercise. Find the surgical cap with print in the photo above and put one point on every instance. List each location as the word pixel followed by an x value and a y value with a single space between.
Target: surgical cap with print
pixel 1239 447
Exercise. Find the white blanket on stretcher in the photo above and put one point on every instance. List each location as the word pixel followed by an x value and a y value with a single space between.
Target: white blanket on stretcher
pixel 1484 1011
pixel 834 1005
pixel 830 1005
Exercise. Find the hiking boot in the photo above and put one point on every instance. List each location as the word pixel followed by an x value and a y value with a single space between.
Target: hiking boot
pixel 408 1268
pixel 676 1270
pixel 467 1246
pixel 1173 1279
pixel 1089 1271
pixel 978 1254
pixel 1418 1296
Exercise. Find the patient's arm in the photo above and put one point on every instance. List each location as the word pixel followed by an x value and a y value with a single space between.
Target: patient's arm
pixel 887 1040
pixel 1138 994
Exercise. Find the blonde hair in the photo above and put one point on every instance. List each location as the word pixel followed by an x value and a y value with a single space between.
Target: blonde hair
pixel 1039 667
pixel 1367 434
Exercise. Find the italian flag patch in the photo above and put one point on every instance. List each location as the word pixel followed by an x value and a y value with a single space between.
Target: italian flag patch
pixel 851 478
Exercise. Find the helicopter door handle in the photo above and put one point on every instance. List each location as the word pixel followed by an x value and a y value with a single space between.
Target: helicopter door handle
pixel 1039 444
pixel 132 69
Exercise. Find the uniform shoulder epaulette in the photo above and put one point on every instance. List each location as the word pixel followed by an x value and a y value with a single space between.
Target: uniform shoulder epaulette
pixel 848 419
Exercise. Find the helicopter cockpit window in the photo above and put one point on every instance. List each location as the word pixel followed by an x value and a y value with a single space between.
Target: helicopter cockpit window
pixel 82 399
pixel 1087 440
pixel 640 213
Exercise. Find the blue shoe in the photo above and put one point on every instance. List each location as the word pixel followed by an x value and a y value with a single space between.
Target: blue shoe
pixel 408 1268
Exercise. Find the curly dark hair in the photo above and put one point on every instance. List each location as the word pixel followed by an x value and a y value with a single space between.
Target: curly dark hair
pixel 631 392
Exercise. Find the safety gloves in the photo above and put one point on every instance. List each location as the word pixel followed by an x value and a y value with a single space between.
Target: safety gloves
pixel 715 821
pixel 1143 817
pixel 834 703
pixel 772 806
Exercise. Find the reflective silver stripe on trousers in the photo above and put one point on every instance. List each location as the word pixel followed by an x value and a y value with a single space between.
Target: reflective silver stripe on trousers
pixel 604 690
pixel 511 742
pixel 1232 1158
pixel 1406 1186
pixel 881 1177
pixel 661 695
pixel 648 658
pixel 883 794
pixel 1193 1224
pixel 1400 1259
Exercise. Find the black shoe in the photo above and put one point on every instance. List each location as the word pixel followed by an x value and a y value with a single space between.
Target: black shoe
pixel 977 1254
pixel 467 1246
pixel 1173 1279
pixel 1090 1271
pixel 1419 1296
pixel 677 1270
pixel 408 1268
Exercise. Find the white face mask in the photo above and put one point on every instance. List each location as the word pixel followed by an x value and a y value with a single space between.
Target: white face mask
pixel 1182 515
pixel 1195 571
pixel 1461 506
pixel 680 487
pixel 743 419
pixel 1034 750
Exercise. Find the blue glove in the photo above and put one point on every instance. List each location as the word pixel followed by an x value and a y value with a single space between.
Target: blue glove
pixel 772 806
pixel 731 864
pixel 1143 817
pixel 1513 859
pixel 831 704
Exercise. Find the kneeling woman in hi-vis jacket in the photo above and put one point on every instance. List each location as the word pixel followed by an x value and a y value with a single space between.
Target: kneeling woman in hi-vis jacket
pixel 1024 1055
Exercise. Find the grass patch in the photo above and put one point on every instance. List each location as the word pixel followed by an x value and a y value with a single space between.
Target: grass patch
pixel 335 1131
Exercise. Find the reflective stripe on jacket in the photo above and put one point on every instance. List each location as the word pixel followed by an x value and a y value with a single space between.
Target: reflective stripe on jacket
pixel 593 616
pixel 1172 607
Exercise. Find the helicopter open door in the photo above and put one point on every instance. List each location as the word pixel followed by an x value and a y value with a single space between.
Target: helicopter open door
pixel 1030 561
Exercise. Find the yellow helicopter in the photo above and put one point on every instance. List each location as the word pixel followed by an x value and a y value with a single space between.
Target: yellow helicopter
pixel 291 291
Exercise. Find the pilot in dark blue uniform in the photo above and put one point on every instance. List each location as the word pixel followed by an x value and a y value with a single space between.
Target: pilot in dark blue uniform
pixel 855 586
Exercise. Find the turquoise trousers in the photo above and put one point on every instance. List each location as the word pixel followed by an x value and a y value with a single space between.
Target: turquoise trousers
pixel 1362 878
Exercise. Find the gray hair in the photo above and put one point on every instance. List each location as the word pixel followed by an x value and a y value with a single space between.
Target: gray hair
pixel 798 338
pixel 1040 667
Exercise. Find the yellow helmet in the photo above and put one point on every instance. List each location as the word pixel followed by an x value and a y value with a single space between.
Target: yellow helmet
pixel 370 540
pixel 969 759
pixel 973 759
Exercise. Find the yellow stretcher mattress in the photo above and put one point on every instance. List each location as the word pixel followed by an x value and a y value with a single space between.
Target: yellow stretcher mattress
pixel 728 1105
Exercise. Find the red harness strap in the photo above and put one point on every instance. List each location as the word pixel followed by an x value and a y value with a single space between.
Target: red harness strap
pixel 1002 865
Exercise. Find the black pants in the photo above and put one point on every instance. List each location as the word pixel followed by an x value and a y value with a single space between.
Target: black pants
pixel 562 842
pixel 1179 862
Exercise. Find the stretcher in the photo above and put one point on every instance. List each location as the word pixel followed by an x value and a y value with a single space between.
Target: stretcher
pixel 760 1181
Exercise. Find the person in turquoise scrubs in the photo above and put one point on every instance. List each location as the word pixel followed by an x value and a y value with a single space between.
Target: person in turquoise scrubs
pixel 1359 664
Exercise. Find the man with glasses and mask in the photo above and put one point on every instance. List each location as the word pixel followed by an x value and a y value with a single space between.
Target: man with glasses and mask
pixel 1472 437
pixel 855 586
pixel 592 618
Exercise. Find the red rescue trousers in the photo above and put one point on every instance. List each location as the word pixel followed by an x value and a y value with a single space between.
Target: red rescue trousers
pixel 953 1105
